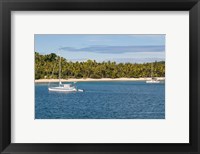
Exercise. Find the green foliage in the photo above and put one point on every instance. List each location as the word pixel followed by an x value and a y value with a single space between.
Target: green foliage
pixel 45 64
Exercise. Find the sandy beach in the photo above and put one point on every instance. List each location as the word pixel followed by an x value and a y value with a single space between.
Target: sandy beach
pixel 90 79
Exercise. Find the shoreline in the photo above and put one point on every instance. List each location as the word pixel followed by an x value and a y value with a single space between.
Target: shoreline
pixel 91 79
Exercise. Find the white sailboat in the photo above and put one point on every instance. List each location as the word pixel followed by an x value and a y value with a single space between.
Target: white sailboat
pixel 153 79
pixel 63 87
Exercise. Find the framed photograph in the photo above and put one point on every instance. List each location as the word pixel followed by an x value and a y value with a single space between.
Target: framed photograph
pixel 99 76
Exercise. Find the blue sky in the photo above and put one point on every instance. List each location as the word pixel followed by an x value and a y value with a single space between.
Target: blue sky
pixel 103 47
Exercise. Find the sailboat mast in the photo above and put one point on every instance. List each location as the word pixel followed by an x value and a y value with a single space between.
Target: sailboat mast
pixel 152 70
pixel 60 70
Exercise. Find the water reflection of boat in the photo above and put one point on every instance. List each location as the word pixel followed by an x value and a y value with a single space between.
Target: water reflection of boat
pixel 63 87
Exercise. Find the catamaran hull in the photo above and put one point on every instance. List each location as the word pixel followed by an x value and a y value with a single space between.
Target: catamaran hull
pixel 152 81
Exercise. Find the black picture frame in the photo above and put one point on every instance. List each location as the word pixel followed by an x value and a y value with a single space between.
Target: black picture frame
pixel 6 6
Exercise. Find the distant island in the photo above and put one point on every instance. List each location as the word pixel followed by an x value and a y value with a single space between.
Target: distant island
pixel 46 64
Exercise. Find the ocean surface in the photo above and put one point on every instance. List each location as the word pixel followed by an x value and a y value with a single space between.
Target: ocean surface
pixel 102 100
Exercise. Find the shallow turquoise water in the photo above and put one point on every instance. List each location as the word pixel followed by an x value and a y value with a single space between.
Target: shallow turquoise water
pixel 102 100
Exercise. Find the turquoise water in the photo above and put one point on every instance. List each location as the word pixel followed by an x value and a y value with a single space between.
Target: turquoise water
pixel 102 100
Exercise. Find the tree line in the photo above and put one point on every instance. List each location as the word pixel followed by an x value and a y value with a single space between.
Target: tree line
pixel 46 64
